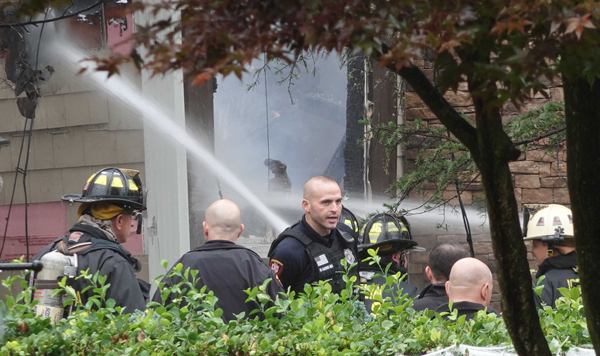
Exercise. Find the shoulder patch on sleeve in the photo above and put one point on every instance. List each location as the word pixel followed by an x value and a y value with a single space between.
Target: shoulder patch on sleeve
pixel 276 266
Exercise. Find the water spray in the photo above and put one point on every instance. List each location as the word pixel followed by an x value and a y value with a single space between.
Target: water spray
pixel 157 117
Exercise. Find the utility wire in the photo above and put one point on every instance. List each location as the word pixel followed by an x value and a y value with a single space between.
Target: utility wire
pixel 27 133
pixel 463 211
pixel 460 202
pixel 12 197
pixel 267 116
pixel 52 19
pixel 24 173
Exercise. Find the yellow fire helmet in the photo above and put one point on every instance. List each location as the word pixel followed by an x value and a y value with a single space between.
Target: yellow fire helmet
pixel 552 223
pixel 347 218
pixel 385 232
pixel 122 187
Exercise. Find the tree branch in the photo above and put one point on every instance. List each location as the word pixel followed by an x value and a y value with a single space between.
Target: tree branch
pixel 52 19
pixel 549 133
pixel 436 102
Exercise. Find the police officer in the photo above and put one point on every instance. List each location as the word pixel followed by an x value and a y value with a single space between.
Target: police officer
pixel 551 231
pixel 311 250
pixel 112 199
pixel 224 267
pixel 392 241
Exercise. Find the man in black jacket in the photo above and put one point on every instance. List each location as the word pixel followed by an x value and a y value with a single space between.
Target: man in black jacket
pixel 224 267
pixel 469 288
pixel 111 200
pixel 441 259
pixel 311 250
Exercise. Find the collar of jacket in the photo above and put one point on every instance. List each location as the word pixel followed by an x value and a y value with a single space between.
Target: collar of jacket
pixel 557 262
pixel 434 290
pixel 394 268
pixel 215 244
pixel 90 230
pixel 464 306
pixel 315 236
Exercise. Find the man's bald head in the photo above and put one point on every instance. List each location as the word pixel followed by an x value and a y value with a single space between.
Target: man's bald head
pixel 471 281
pixel 314 185
pixel 223 221
pixel 322 203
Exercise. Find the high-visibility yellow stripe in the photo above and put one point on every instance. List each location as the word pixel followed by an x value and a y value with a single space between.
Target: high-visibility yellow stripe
pixel 101 180
pixel 132 185
pixel 116 182
pixel 90 178
pixel 376 230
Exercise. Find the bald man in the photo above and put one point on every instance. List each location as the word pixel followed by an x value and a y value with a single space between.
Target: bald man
pixel 469 288
pixel 224 267
pixel 441 259
pixel 311 249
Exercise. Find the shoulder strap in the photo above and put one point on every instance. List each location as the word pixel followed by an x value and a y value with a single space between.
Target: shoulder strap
pixel 298 235
pixel 280 238
pixel 349 239
pixel 99 244
pixel 63 247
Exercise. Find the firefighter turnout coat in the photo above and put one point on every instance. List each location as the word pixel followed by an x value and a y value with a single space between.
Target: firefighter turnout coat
pixel 96 254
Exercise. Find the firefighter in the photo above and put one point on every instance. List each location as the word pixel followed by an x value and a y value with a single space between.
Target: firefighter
pixel 348 223
pixel 312 249
pixel 551 231
pixel 392 241
pixel 225 268
pixel 111 201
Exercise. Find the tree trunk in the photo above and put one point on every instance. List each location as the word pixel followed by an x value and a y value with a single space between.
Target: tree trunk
pixel 492 149
pixel 518 307
pixel 582 112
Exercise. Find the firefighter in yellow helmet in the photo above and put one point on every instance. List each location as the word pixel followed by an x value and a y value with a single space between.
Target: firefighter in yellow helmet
pixel 111 201
pixel 392 240
pixel 551 231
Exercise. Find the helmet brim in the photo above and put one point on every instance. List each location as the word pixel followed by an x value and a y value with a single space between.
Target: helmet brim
pixel 397 244
pixel 529 238
pixel 77 198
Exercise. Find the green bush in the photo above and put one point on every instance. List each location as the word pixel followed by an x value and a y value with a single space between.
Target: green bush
pixel 316 322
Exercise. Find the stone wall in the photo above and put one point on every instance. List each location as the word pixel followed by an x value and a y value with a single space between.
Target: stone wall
pixel 538 177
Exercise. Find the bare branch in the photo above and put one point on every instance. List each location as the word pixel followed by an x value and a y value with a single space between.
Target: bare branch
pixel 544 135
pixel 52 19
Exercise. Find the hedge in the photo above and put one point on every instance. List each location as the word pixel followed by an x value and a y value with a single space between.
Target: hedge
pixel 316 322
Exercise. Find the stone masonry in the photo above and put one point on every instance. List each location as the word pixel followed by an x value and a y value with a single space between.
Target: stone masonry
pixel 538 177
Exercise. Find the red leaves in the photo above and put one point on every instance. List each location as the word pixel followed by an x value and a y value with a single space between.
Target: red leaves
pixel 202 78
pixel 511 24
pixel 577 24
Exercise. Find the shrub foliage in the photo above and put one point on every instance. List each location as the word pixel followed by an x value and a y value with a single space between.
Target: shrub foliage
pixel 315 322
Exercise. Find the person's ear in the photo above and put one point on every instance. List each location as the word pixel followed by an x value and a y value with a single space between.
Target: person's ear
pixel 241 230
pixel 306 205
pixel 428 273
pixel 205 228
pixel 396 256
pixel 118 222
pixel 447 286
pixel 484 294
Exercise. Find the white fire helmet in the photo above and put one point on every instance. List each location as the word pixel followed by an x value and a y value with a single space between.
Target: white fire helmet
pixel 551 223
